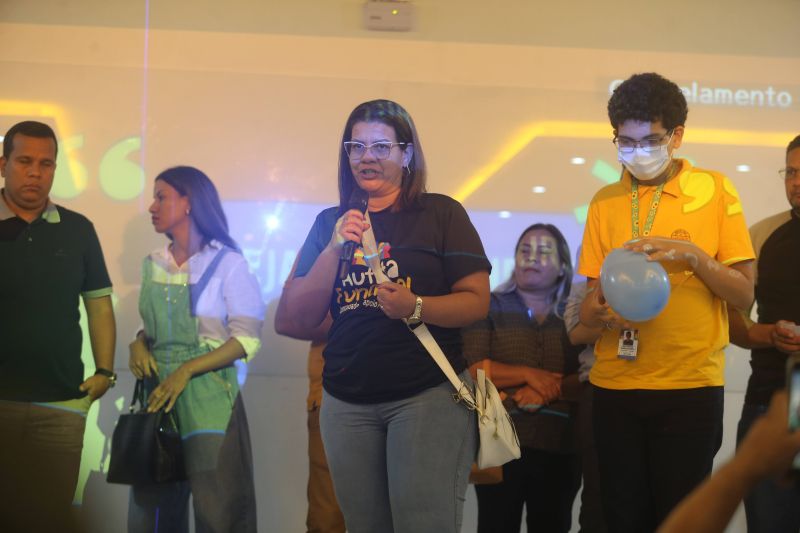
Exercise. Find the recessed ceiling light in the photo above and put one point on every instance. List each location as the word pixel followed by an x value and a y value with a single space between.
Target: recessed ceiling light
pixel 743 168
pixel 504 214
pixel 538 189
pixel 577 160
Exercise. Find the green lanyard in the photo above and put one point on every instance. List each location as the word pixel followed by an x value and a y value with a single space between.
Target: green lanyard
pixel 651 215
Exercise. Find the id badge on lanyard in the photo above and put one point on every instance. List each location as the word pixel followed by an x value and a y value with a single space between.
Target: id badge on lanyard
pixel 651 214
pixel 628 342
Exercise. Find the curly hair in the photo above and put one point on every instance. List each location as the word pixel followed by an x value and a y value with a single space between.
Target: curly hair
pixel 648 97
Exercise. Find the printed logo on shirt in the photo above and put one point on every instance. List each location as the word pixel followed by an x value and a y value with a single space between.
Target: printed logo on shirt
pixel 384 250
pixel 359 288
pixel 681 234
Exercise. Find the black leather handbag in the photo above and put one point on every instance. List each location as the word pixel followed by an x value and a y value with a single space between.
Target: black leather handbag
pixel 146 447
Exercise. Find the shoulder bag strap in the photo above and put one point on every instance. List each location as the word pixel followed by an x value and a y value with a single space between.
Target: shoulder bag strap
pixel 196 289
pixel 371 255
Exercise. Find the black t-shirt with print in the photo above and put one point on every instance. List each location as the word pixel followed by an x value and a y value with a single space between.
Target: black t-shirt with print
pixel 371 358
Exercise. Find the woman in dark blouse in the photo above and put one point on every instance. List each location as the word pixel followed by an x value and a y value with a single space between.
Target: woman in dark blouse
pixel 524 348
pixel 399 448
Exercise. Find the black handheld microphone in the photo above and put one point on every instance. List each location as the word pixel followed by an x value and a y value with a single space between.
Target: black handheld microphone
pixel 358 200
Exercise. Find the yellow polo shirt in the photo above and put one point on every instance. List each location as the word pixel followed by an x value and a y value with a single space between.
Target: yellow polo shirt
pixel 682 347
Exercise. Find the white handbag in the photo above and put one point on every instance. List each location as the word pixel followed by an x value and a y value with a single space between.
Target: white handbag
pixel 498 438
pixel 499 441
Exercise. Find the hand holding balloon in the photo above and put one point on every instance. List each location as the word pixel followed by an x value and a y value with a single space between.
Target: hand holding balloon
pixel 730 281
pixel 660 249
pixel 599 313
pixel 636 287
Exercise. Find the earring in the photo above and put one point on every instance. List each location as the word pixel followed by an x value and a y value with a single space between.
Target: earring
pixel 407 170
pixel 188 210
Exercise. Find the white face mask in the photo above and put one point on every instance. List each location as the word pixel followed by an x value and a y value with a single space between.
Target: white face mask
pixel 644 165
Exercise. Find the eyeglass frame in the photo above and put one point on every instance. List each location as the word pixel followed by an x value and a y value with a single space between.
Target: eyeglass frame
pixel 348 146
pixel 788 173
pixel 638 144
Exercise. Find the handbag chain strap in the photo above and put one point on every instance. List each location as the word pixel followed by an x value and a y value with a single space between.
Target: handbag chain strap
pixel 463 392
pixel 138 396
pixel 171 418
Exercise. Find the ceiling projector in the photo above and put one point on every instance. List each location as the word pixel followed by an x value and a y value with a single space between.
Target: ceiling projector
pixel 388 15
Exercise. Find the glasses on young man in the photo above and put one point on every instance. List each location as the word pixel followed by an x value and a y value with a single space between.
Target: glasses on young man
pixel 380 149
pixel 649 144
pixel 788 173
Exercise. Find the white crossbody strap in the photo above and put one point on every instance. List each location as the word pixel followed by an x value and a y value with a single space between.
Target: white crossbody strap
pixel 422 332
pixel 426 338
pixel 371 252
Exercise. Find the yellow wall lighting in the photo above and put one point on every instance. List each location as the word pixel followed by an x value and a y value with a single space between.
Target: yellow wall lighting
pixel 602 130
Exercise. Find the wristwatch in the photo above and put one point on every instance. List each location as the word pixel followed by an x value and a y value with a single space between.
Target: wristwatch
pixel 110 374
pixel 416 316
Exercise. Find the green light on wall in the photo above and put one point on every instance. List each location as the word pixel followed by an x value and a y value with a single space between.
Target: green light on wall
pixel 96 445
pixel 605 172
pixel 121 178
pixel 581 213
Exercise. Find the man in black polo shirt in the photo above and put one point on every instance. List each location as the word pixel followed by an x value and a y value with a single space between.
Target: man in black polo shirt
pixel 776 240
pixel 49 256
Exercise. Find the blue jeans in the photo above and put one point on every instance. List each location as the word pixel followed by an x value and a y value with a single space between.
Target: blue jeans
pixel 401 466
pixel 768 507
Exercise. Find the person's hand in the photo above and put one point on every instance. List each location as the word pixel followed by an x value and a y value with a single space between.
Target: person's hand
pixel 167 392
pixel 545 384
pixel 528 399
pixel 784 338
pixel 141 361
pixel 350 227
pixel 95 386
pixel 769 447
pixel 600 313
pixel 663 250
pixel 396 300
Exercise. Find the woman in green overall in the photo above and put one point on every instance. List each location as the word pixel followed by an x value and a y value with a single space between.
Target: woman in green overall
pixel 202 312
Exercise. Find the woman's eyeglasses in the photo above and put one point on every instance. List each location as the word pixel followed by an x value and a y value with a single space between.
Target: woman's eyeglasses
pixel 380 149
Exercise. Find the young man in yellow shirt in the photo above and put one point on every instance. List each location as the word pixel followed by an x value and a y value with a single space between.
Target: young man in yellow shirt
pixel 658 410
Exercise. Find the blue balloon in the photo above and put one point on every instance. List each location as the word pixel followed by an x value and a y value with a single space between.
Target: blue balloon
pixel 635 288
